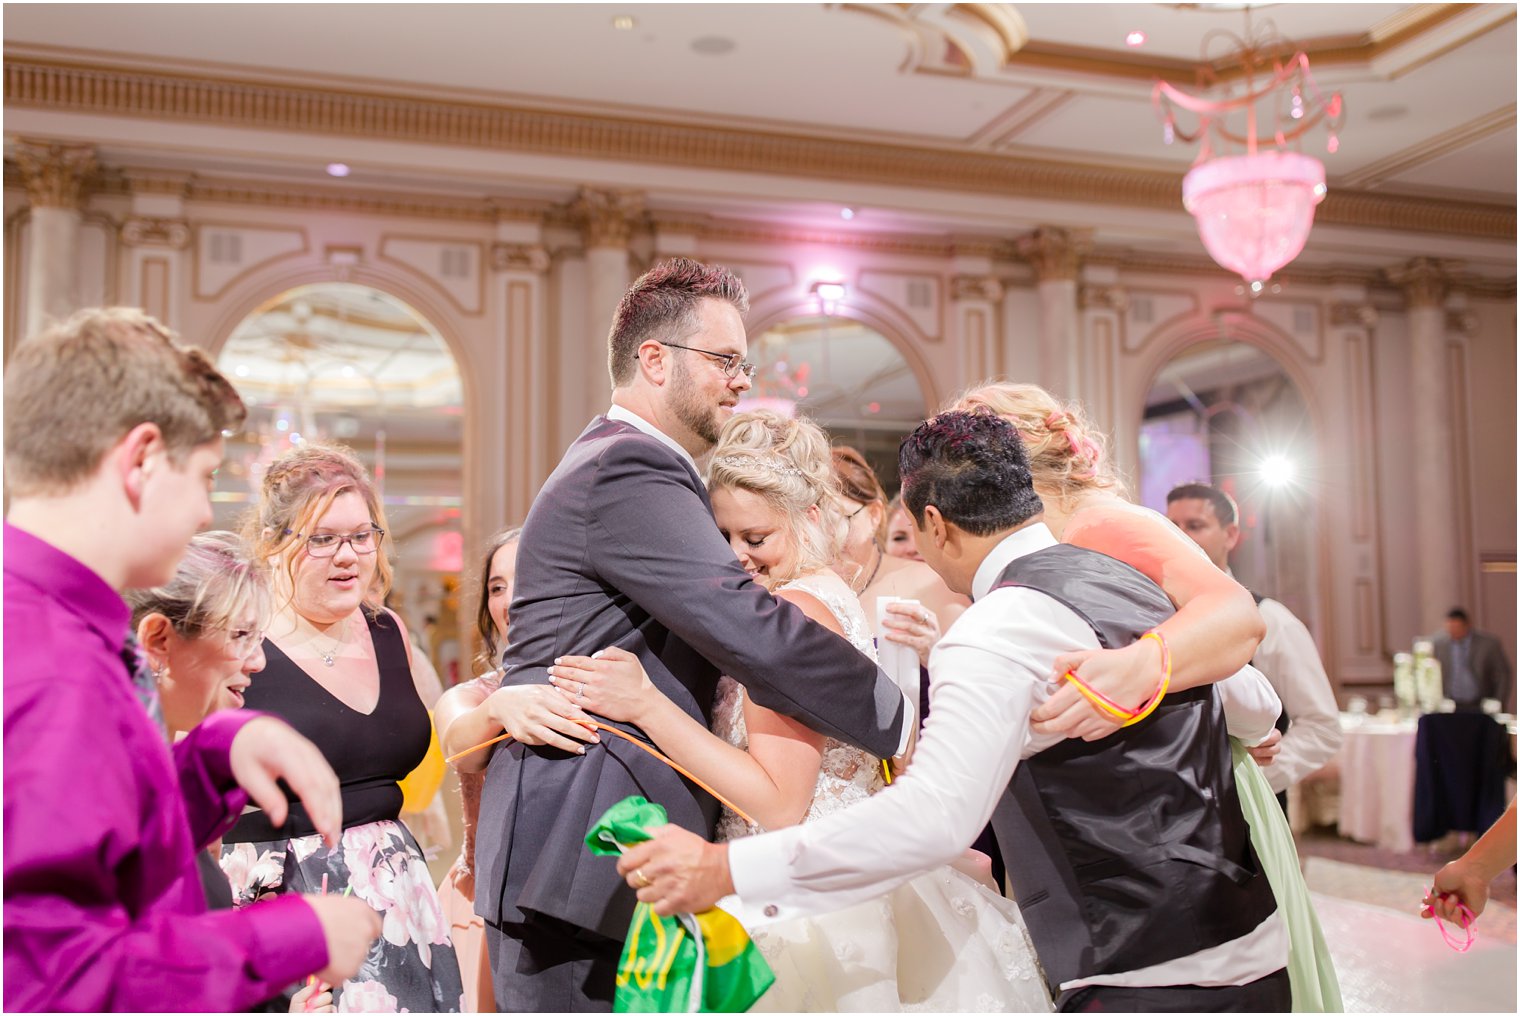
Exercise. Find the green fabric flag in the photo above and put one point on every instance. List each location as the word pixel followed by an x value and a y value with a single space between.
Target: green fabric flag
pixel 687 963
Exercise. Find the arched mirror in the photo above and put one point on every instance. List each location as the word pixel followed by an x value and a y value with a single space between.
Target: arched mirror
pixel 1225 412
pixel 844 375
pixel 349 363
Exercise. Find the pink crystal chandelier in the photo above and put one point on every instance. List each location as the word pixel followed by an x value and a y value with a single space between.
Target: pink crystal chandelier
pixel 1255 208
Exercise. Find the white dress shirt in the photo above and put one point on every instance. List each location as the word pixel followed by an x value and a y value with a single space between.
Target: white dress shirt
pixel 1290 660
pixel 988 673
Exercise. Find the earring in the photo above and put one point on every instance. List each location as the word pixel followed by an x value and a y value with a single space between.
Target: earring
pixel 160 672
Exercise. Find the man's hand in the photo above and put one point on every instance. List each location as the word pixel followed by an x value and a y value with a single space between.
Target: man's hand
pixel 349 926
pixel 268 749
pixel 678 872
pixel 1266 752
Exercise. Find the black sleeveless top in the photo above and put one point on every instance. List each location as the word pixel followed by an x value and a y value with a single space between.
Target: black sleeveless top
pixel 370 753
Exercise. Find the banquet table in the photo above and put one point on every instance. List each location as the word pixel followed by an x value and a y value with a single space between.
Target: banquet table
pixel 1377 766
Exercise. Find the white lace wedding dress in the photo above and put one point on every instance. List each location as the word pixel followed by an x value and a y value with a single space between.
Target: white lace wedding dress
pixel 939 943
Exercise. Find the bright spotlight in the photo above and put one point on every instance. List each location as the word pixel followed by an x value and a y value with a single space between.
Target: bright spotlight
pixel 1278 470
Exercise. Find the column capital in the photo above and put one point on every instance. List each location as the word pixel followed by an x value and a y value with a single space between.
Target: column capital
pixel 55 174
pixel 607 217
pixel 143 231
pixel 1353 314
pixel 521 257
pixel 1462 322
pixel 1055 252
pixel 976 287
pixel 1425 281
pixel 1114 298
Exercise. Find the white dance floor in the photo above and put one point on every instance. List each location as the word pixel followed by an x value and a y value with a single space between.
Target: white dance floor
pixel 1393 962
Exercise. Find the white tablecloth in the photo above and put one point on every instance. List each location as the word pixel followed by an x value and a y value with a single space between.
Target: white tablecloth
pixel 1377 782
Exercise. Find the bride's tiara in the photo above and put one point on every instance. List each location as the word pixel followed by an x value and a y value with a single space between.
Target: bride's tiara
pixel 774 463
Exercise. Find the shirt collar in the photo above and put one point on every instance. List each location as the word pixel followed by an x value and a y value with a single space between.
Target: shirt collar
pixel 1012 547
pixel 69 581
pixel 633 419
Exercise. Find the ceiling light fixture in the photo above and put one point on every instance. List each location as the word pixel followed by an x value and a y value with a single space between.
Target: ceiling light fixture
pixel 1254 210
pixel 623 23
pixel 337 169
pixel 1135 38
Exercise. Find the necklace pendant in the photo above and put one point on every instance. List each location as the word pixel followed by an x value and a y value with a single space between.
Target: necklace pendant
pixel 327 658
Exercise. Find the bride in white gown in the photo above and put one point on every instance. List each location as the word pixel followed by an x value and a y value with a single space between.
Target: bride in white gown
pixel 942 942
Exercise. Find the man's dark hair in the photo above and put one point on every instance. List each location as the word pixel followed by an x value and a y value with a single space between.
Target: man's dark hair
pixel 1458 614
pixel 1224 505
pixel 973 468
pixel 662 304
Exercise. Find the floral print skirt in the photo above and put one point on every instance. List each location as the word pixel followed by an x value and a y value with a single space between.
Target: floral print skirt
pixel 411 967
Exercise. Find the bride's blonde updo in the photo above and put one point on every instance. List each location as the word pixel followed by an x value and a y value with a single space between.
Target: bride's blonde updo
pixel 1066 453
pixel 785 462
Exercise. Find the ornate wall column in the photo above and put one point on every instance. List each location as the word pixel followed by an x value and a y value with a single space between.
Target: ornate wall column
pixel 606 219
pixel 1055 253
pixel 1433 477
pixel 156 238
pixel 974 308
pixel 55 176
pixel 519 279
pixel 1352 635
pixel 1103 302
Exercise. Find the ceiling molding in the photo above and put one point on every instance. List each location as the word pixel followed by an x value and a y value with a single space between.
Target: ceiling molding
pixel 263 106
pixel 1432 147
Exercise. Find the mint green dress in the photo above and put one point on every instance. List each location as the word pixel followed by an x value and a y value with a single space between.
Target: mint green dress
pixel 1310 970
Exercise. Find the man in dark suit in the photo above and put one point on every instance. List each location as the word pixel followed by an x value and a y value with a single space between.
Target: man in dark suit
pixel 1473 666
pixel 620 549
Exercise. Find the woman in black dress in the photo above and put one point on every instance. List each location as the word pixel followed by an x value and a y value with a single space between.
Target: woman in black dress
pixel 337 669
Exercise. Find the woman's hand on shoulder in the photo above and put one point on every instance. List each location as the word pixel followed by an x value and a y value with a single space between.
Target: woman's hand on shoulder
pixel 612 683
pixel 1127 676
pixel 539 714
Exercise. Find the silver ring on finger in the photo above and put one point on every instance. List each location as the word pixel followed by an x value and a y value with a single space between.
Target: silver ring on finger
pixel 580 690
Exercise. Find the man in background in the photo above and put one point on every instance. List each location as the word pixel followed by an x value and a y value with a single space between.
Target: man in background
pixel 1473 666
pixel 1287 655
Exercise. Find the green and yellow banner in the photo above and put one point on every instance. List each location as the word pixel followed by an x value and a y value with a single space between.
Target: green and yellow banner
pixel 686 963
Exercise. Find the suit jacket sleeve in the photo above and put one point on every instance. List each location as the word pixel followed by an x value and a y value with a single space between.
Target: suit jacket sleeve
pixel 656 543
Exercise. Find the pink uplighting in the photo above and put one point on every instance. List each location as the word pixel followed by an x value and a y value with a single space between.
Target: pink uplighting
pixel 1254 212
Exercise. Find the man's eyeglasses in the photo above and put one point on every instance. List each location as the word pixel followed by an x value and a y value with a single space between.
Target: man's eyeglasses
pixel 366 541
pixel 730 363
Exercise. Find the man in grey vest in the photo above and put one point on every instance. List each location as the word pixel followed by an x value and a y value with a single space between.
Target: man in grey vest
pixel 620 549
pixel 1128 855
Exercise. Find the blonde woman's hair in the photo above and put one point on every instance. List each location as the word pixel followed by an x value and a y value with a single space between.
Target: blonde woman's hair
pixel 298 488
pixel 215 586
pixel 1066 452
pixel 786 462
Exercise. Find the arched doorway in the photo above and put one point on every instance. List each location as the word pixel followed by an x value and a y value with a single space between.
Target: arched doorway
pixel 846 376
pixel 350 363
pixel 1227 413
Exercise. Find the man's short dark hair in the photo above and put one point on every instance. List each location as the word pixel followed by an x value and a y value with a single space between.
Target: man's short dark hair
pixel 1224 505
pixel 1458 614
pixel 662 304
pixel 973 468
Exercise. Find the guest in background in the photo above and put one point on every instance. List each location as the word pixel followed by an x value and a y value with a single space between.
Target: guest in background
pixel 1287 655
pixel 1473 664
pixel 202 633
pixel 873 573
pixel 900 531
pixel 456 893
pixel 112 434
pixel 338 669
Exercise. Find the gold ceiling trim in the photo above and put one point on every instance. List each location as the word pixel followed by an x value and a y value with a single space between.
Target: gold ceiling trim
pixel 1409 158
pixel 156 95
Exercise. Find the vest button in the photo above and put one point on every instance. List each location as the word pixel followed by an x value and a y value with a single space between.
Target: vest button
pixel 771 910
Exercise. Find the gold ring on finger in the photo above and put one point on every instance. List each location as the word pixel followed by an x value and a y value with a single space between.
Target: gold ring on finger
pixel 644 880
